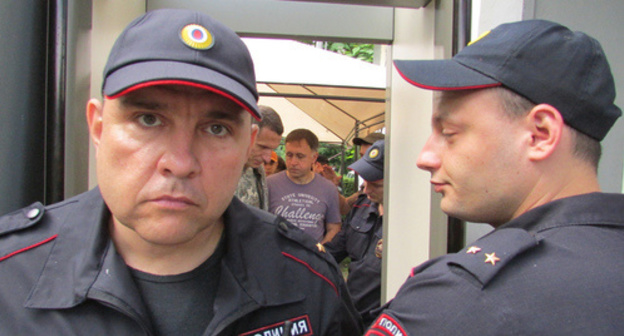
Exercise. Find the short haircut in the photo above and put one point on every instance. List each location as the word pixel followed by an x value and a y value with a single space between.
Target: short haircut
pixel 585 147
pixel 270 120
pixel 303 134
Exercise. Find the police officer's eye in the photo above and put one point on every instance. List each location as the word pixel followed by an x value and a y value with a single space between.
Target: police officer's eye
pixel 447 133
pixel 149 120
pixel 217 129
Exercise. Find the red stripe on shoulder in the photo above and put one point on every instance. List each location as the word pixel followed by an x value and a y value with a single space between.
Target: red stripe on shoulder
pixel 312 270
pixel 28 248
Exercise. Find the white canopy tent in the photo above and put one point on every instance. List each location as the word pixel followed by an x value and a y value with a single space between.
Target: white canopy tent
pixel 333 95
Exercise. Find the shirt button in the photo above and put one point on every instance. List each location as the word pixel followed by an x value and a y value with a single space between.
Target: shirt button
pixel 32 213
pixel 283 225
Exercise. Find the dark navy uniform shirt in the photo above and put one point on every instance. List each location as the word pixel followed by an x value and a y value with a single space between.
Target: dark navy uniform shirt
pixel 361 240
pixel 556 270
pixel 61 275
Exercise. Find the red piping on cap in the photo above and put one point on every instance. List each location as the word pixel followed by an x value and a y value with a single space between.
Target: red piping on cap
pixel 437 88
pixel 186 83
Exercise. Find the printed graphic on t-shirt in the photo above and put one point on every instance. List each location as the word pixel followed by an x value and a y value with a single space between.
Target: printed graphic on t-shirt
pixel 302 210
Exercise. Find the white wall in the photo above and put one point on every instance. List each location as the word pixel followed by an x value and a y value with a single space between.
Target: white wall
pixel 408 224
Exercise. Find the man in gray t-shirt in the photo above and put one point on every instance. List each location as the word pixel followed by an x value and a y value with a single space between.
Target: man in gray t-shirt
pixel 302 197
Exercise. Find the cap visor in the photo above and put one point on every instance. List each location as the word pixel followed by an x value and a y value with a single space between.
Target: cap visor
pixel 139 75
pixel 366 170
pixel 442 75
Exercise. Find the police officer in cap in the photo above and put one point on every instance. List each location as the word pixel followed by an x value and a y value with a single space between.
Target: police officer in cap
pixel 162 246
pixel 517 124
pixel 361 235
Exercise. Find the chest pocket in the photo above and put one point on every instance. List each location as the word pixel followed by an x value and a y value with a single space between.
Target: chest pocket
pixel 361 223
pixel 364 235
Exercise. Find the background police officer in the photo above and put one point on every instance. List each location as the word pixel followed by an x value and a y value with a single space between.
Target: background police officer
pixel 361 236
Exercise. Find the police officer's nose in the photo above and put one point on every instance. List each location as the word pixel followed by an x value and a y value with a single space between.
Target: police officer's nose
pixel 428 159
pixel 179 158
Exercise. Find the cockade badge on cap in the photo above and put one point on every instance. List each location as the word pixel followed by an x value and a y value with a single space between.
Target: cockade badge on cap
pixel 197 37
pixel 373 153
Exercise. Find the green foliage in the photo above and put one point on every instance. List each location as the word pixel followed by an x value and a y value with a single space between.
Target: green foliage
pixel 361 51
pixel 334 153
pixel 348 184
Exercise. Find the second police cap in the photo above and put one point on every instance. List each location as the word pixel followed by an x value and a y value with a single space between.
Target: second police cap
pixel 541 60
pixel 181 47
pixel 371 165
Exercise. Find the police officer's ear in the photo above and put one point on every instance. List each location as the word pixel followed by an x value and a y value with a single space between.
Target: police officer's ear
pixel 254 134
pixel 545 126
pixel 94 120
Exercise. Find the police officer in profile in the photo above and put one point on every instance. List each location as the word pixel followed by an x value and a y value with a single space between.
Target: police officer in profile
pixel 361 235
pixel 162 246
pixel 516 131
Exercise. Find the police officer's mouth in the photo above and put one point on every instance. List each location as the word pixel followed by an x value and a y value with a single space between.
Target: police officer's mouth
pixel 171 202
pixel 438 186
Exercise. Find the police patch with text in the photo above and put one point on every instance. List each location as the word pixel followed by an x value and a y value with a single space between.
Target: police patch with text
pixel 300 326
pixel 386 325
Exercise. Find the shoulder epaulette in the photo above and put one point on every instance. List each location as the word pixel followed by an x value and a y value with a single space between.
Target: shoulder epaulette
pixel 490 254
pixel 21 219
pixel 293 233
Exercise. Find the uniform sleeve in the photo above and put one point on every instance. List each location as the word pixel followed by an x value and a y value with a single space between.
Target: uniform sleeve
pixel 347 320
pixel 337 247
pixel 441 304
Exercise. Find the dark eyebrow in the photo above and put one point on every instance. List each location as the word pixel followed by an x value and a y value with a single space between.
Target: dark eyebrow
pixel 440 115
pixel 131 100
pixel 235 116
pixel 441 112
pixel 146 102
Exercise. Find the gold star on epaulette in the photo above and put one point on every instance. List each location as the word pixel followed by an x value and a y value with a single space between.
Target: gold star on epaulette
pixel 320 247
pixel 491 258
pixel 473 250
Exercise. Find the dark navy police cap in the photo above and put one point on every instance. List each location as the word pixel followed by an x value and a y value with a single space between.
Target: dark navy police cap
pixel 541 60
pixel 371 165
pixel 181 47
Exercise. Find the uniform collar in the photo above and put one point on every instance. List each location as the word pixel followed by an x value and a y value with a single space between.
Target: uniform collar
pixel 367 206
pixel 75 261
pixel 253 257
pixel 83 262
pixel 586 209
